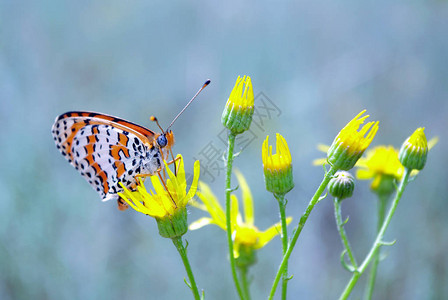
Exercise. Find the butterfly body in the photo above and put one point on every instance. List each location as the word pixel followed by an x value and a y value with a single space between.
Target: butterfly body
pixel 107 150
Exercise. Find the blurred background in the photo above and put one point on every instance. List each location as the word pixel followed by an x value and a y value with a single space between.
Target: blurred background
pixel 314 65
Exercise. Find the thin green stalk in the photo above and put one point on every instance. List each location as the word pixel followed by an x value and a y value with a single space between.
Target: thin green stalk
pixel 282 205
pixel 299 228
pixel 379 239
pixel 245 282
pixel 342 233
pixel 382 200
pixel 177 241
pixel 228 220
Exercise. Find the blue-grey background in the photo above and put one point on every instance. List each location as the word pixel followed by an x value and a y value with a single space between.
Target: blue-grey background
pixel 320 62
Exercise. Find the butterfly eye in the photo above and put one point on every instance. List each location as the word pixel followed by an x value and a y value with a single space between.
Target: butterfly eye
pixel 162 141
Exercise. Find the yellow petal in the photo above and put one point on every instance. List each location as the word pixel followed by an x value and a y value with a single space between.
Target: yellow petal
pixel 323 148
pixel 157 185
pixel 194 183
pixel 212 205
pixel 236 250
pixel 124 196
pixel 135 203
pixel 247 199
pixel 319 162
pixel 174 186
pixel 200 223
pixel 197 204
pixel 156 211
pixel 208 199
pixel 432 142
pixel 267 235
pixel 239 220
pixel 153 204
pixel 363 174
pixel 376 182
pixel 180 168
pixel 233 211
pixel 362 162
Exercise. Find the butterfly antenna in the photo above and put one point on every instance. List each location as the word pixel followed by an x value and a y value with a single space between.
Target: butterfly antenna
pixel 207 82
pixel 154 119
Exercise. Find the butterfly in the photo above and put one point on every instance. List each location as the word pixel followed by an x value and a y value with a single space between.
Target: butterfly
pixel 107 150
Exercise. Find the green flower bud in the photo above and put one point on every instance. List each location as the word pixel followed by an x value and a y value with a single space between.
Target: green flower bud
pixel 414 151
pixel 237 115
pixel 342 184
pixel 277 167
pixel 350 144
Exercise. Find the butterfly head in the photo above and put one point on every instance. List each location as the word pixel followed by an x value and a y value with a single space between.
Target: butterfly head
pixel 161 141
pixel 165 141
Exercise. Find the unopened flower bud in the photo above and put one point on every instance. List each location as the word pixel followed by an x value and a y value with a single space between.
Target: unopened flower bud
pixel 414 150
pixel 237 115
pixel 342 184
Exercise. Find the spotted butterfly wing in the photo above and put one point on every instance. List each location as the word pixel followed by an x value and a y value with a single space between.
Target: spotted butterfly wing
pixel 107 150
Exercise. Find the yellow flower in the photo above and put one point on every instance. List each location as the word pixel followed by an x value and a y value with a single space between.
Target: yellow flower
pixel 167 206
pixel 246 235
pixel 277 167
pixel 350 144
pixel 237 114
pixel 381 164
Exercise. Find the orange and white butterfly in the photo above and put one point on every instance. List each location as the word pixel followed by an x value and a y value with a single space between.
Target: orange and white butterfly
pixel 107 150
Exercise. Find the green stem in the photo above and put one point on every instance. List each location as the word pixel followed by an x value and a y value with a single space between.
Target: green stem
pixel 342 233
pixel 299 228
pixel 177 241
pixel 228 220
pixel 245 282
pixel 382 200
pixel 379 239
pixel 282 205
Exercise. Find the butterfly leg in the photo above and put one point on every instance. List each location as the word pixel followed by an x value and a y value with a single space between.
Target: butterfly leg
pixel 173 161
pixel 161 179
pixel 121 202
pixel 138 176
pixel 122 205
pixel 166 188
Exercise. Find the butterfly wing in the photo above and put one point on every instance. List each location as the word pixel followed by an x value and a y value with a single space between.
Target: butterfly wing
pixel 98 118
pixel 106 150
